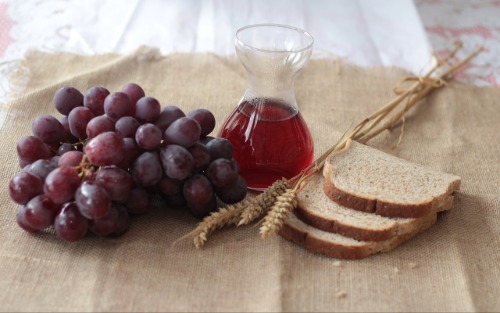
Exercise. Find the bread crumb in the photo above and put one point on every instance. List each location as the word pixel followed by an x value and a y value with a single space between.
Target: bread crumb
pixel 412 265
pixel 337 264
pixel 341 294
pixel 396 270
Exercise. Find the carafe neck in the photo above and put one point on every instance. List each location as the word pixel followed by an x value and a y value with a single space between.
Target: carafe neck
pixel 271 87
pixel 272 56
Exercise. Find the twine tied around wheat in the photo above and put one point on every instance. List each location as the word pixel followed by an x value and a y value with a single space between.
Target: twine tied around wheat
pixel 277 201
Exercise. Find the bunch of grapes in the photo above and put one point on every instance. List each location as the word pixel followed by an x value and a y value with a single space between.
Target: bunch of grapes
pixel 109 153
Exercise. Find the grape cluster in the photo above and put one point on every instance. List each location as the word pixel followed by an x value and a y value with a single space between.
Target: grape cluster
pixel 109 153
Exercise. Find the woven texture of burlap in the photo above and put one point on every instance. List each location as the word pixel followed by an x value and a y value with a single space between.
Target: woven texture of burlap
pixel 453 266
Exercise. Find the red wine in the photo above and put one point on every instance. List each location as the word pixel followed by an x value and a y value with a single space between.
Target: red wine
pixel 271 140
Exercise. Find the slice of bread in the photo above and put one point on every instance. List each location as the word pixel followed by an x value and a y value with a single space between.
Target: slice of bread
pixel 369 180
pixel 316 209
pixel 338 246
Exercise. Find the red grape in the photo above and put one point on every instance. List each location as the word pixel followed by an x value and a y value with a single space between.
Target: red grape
pixel 66 99
pixel 134 91
pixel 200 211
pixel 41 168
pixel 105 149
pixel 147 110
pixel 21 219
pixel 177 162
pixel 69 224
pixel 148 136
pixel 78 119
pixel 69 137
pixel 183 132
pixel 92 200
pixel 201 156
pixel 48 129
pixel 236 165
pixel 71 158
pixel 23 163
pixel 168 115
pixel 233 193
pixel 99 125
pixel 25 186
pixel 117 105
pixel 206 139
pixel 31 149
pixel 130 152
pixel 107 224
pixel 61 184
pixel 126 126
pixel 116 181
pixel 220 148
pixel 197 190
pixel 205 118
pixel 94 99
pixel 65 147
pixel 40 212
pixel 147 169
pixel 54 161
pixel 222 172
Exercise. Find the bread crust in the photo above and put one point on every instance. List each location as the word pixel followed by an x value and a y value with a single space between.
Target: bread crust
pixel 314 208
pixel 320 246
pixel 371 204
pixel 377 206
pixel 351 231
pixel 315 244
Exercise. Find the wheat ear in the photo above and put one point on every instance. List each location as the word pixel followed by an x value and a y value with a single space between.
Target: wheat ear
pixel 231 214
pixel 223 217
pixel 273 221
pixel 263 202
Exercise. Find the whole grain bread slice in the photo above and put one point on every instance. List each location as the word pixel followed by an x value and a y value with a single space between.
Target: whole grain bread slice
pixel 338 246
pixel 369 180
pixel 316 209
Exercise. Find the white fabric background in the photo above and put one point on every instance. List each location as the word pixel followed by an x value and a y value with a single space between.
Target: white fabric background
pixel 399 33
pixel 364 32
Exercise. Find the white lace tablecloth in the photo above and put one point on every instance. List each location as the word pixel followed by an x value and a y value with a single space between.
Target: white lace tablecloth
pixel 377 32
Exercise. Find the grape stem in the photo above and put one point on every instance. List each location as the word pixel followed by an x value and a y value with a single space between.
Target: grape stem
pixel 85 169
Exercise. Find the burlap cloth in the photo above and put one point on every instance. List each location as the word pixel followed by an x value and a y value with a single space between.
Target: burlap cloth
pixel 454 266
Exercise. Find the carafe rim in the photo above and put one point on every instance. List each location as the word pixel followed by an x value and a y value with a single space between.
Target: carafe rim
pixel 240 42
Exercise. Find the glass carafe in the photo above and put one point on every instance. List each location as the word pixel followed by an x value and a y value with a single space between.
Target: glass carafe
pixel 270 137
